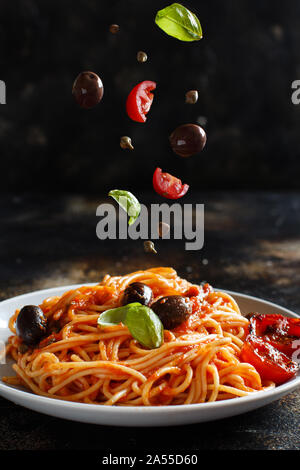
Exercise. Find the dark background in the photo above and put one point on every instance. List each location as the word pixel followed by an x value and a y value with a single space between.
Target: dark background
pixel 243 69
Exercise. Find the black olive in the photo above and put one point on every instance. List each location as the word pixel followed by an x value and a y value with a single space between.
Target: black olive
pixel 138 292
pixel 187 140
pixel 88 89
pixel 172 310
pixel 31 324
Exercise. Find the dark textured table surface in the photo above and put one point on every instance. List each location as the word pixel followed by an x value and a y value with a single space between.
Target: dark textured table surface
pixel 252 245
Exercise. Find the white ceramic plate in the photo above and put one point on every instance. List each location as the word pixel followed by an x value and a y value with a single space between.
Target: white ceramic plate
pixel 136 416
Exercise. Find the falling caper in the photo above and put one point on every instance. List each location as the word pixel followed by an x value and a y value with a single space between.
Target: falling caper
pixel 141 56
pixel 149 247
pixel 114 28
pixel 125 143
pixel 191 97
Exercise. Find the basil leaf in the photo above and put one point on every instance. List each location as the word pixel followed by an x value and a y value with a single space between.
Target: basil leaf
pixel 114 316
pixel 128 202
pixel 179 22
pixel 145 326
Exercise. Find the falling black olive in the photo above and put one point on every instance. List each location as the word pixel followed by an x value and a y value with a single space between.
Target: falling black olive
pixel 88 89
pixel 137 292
pixel 172 310
pixel 31 324
pixel 187 140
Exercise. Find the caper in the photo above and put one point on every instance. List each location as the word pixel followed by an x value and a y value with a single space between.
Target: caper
pixel 141 56
pixel 137 292
pixel 125 143
pixel 191 97
pixel 149 247
pixel 114 28
pixel 172 310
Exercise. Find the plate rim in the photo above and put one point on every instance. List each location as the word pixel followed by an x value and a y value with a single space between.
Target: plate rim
pixel 124 410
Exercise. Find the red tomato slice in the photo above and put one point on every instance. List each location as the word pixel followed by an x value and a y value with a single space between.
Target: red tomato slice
pixel 279 331
pixel 139 100
pixel 168 186
pixel 270 363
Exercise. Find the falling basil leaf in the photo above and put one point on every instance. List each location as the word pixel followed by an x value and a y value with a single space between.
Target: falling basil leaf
pixel 128 202
pixel 145 326
pixel 179 22
pixel 114 316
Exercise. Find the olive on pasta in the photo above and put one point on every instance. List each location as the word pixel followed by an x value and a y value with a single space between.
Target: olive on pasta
pixel 172 310
pixel 137 292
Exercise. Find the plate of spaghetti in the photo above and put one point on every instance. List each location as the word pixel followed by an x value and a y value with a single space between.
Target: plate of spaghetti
pixel 146 349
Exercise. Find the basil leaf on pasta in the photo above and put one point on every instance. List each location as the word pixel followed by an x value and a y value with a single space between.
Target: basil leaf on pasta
pixel 145 326
pixel 128 202
pixel 114 316
pixel 179 22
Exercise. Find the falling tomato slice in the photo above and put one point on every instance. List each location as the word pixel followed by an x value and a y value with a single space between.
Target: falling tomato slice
pixel 270 363
pixel 168 186
pixel 281 332
pixel 139 101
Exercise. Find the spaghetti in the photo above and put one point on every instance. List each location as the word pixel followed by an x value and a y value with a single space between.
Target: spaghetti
pixel 197 362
